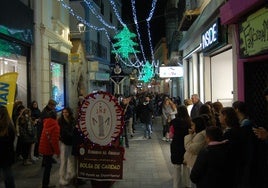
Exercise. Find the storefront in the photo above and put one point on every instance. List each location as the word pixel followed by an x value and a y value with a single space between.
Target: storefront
pixel 218 63
pixel 16 38
pixel 250 19
pixel 208 58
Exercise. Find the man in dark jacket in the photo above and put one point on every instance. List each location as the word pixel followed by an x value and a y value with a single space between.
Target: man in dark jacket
pixel 196 105
pixel 146 113
pixel 213 164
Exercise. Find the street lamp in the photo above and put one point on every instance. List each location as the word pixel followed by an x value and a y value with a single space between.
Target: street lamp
pixel 81 27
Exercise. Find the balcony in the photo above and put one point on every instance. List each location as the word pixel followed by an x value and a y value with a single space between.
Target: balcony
pixel 97 50
pixel 190 10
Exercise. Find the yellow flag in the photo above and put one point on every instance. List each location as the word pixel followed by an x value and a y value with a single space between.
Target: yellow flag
pixel 7 90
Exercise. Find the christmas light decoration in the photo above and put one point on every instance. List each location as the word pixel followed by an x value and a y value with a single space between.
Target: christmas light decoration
pixel 91 7
pixel 130 62
pixel 125 45
pixel 147 72
pixel 137 28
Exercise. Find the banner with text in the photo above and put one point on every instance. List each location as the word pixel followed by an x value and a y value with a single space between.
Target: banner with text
pixel 7 90
pixel 101 163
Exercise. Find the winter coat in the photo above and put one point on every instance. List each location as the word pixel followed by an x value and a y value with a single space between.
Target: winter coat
pixel 66 131
pixel 212 167
pixel 7 156
pixel 49 141
pixel 26 130
pixel 177 149
pixel 193 144
pixel 146 112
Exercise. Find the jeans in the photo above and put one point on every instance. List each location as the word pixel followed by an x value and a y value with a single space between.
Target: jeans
pixel 8 177
pixel 147 130
pixel 67 166
pixel 47 159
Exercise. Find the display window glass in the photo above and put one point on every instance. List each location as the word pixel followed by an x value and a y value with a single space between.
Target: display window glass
pixel 57 84
pixel 16 63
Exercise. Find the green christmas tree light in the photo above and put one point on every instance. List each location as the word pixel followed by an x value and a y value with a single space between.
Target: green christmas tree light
pixel 125 44
pixel 147 72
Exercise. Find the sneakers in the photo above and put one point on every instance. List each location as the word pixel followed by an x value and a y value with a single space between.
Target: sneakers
pixel 27 163
pixel 164 138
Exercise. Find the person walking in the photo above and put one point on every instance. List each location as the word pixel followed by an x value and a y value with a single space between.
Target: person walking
pixel 49 145
pixel 178 130
pixel 169 110
pixel 67 124
pixel 7 138
pixel 145 114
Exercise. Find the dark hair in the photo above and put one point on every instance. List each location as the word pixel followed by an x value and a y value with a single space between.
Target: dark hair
pixel 5 121
pixel 231 118
pixel 214 133
pixel 241 107
pixel 204 109
pixel 200 123
pixel 52 114
pixel 182 113
pixel 217 106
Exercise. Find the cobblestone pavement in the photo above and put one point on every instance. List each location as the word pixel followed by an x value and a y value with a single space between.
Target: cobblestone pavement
pixel 147 164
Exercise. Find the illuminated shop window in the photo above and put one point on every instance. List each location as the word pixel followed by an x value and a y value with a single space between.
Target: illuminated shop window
pixel 57 84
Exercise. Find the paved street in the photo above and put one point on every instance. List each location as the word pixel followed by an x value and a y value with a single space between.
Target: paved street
pixel 147 165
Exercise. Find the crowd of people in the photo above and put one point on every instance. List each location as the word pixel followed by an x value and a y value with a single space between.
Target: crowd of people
pixel 210 145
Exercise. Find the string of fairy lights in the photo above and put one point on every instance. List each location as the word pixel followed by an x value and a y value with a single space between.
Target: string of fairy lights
pixel 130 62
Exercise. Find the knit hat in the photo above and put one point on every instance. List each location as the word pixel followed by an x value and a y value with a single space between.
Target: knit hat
pixel 52 102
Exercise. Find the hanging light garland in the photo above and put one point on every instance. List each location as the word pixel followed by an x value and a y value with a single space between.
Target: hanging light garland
pixel 127 61
pixel 137 27
pixel 92 9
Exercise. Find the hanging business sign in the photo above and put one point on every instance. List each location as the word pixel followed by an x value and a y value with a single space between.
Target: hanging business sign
pixel 211 36
pixel 170 72
pixel 253 34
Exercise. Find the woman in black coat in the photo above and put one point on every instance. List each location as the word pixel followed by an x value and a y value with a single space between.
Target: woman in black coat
pixel 178 130
pixel 7 137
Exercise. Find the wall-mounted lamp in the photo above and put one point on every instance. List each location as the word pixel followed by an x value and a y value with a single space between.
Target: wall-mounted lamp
pixel 81 27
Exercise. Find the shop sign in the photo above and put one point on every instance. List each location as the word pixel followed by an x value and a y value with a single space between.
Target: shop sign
pixel 74 58
pixel 211 36
pixel 170 72
pixel 254 34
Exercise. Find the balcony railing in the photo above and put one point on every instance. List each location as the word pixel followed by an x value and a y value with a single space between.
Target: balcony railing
pixel 97 50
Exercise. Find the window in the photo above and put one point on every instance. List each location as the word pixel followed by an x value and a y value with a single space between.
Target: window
pixel 111 16
pixel 102 8
pixel 57 84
